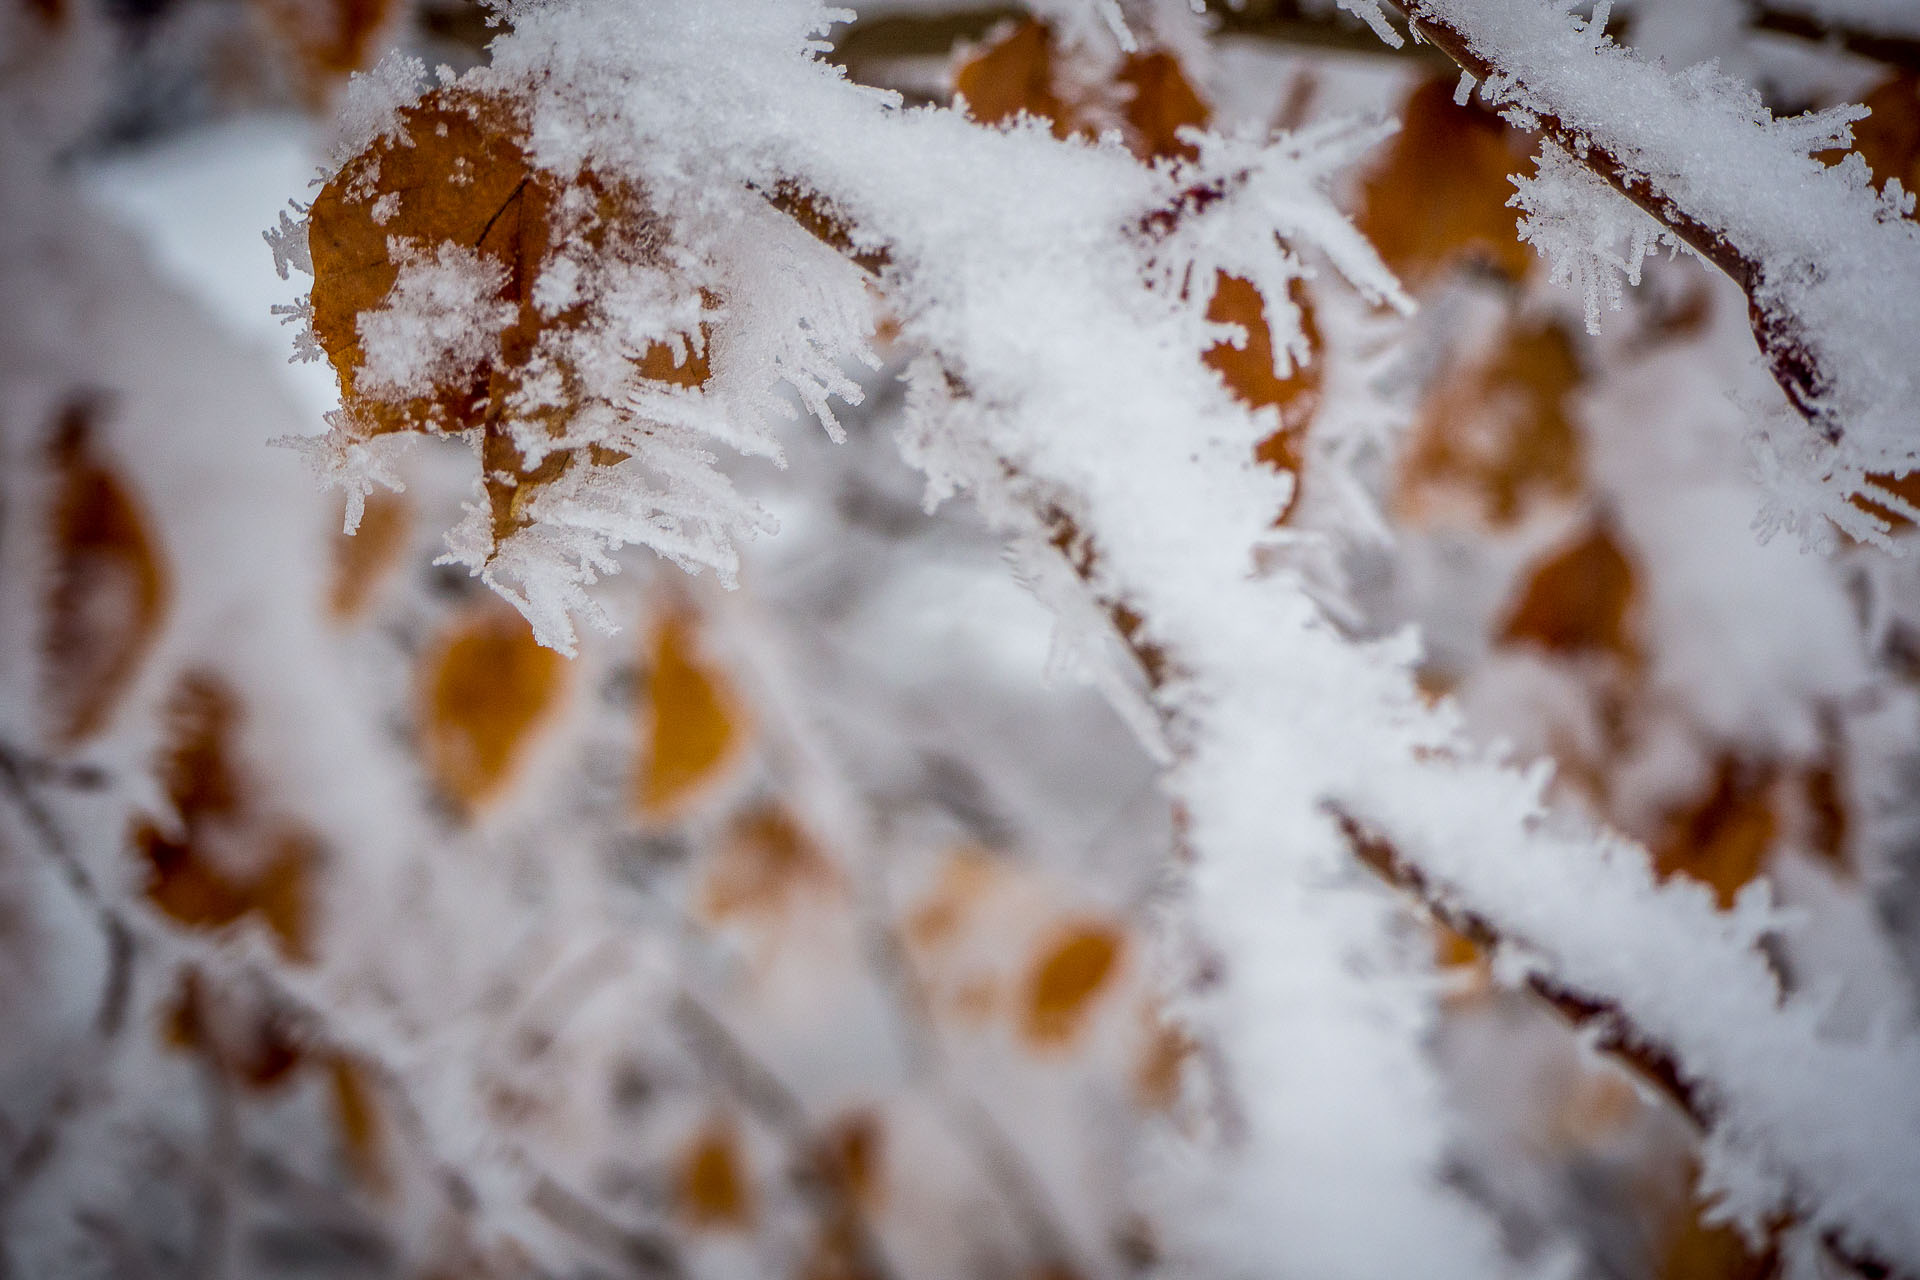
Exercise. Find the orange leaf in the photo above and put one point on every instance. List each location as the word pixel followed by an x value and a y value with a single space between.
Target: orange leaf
pixel 251 1045
pixel 713 1190
pixel 330 38
pixel 362 561
pixel 356 1104
pixel 852 1151
pixel 1168 1049
pixel 109 589
pixel 1889 139
pixel 1439 197
pixel 1905 486
pixel 1011 75
pixel 695 726
pixel 1723 837
pixel 763 864
pixel 1494 437
pixel 1163 102
pixel 1067 979
pixel 966 879
pixel 230 859
pixel 1578 600
pixel 1248 371
pixel 1149 97
pixel 487 688
pixel 1696 1250
pixel 455 179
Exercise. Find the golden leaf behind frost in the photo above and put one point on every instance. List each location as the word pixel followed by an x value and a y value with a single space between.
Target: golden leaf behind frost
pixel 487 688
pixel 453 185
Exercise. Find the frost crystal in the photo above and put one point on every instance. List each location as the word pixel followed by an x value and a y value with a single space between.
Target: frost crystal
pixel 1591 236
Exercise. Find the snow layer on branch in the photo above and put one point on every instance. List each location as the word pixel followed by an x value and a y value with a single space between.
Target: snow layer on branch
pixel 1832 263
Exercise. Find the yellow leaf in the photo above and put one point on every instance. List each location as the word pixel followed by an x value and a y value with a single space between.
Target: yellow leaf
pixel 487 689
pixel 1066 980
pixel 694 727
pixel 713 1190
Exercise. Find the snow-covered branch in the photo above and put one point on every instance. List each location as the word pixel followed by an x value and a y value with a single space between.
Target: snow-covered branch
pixel 1831 267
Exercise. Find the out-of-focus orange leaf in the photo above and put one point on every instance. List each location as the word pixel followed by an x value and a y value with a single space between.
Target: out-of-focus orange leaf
pixel 694 725
pixel 1469 969
pixel 1066 979
pixel 1889 139
pixel 713 1189
pixel 1578 600
pixel 363 561
pixel 1905 487
pixel 1439 196
pixel 1163 1062
pixel 1161 103
pixel 853 1150
pixel 330 39
pixel 1248 371
pixel 231 857
pixel 1722 838
pixel 1149 99
pixel 1494 438
pixel 838 1253
pixel 356 1105
pixel 1012 74
pixel 765 862
pixel 109 589
pixel 1696 1250
pixel 1826 825
pixel 965 880
pixel 487 688
pixel 456 180
pixel 1598 1105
